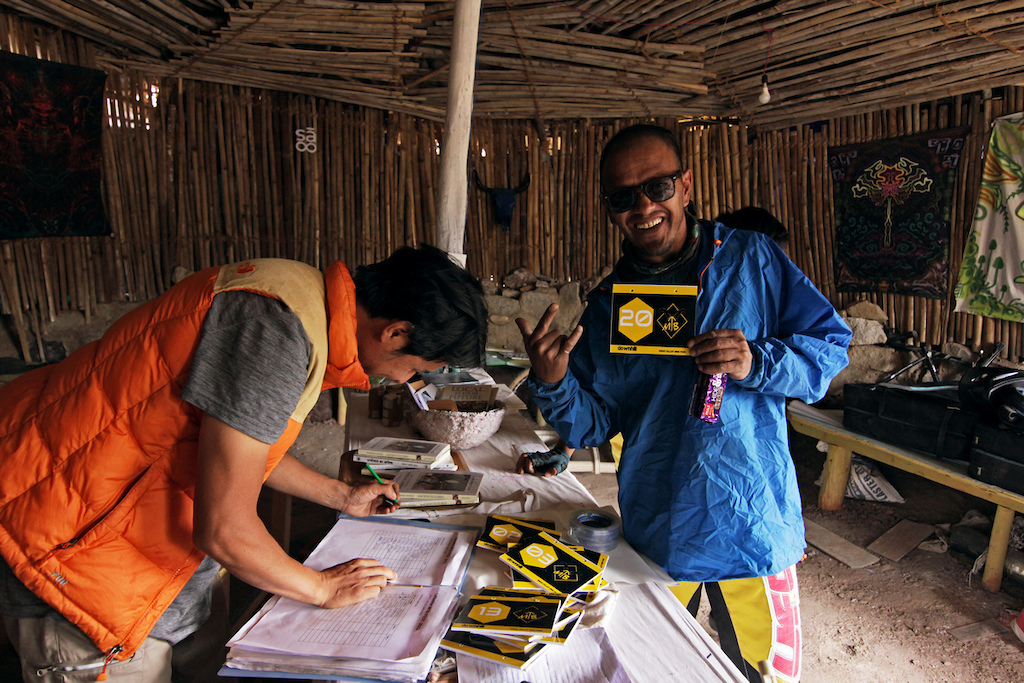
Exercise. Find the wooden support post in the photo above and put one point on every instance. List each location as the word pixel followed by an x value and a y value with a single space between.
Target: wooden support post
pixel 835 477
pixel 992 578
pixel 453 189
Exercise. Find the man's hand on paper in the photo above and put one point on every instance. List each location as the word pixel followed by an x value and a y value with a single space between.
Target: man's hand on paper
pixel 370 499
pixel 354 581
pixel 719 351
pixel 548 349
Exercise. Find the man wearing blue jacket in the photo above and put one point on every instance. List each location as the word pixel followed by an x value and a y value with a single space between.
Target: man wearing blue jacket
pixel 714 504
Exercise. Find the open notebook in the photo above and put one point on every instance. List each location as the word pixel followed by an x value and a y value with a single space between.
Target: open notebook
pixel 392 637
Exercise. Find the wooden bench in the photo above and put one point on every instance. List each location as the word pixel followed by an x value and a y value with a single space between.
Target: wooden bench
pixel 827 426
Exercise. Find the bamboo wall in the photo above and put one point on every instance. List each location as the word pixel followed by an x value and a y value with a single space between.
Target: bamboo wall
pixel 199 174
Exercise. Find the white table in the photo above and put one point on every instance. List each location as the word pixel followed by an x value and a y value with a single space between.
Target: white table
pixel 648 630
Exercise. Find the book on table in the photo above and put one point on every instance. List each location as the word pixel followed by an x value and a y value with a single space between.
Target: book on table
pixel 393 637
pixel 431 485
pixel 382 463
pixel 545 561
pixel 511 626
pixel 404 449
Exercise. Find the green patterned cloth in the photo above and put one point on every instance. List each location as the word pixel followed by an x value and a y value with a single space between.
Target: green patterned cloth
pixel 991 279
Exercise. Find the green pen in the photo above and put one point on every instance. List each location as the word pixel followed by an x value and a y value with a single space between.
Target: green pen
pixel 380 481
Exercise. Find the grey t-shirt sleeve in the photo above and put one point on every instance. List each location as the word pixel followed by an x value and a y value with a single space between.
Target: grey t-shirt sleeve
pixel 250 365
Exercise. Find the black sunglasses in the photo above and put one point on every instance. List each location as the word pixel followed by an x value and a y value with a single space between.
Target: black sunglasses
pixel 659 189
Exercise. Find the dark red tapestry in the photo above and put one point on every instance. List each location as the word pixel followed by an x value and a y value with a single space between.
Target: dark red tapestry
pixel 51 116
pixel 893 201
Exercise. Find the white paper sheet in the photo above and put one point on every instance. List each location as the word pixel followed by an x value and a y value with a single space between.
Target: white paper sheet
pixel 420 556
pixel 590 659
pixel 407 618
pixel 656 639
pixel 395 625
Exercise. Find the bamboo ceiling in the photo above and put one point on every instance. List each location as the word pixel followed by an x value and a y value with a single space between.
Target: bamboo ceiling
pixel 574 59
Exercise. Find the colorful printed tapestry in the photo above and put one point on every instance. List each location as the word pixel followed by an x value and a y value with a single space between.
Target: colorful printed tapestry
pixel 991 279
pixel 892 202
pixel 51 116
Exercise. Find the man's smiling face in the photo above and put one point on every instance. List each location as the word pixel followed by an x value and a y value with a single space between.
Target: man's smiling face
pixel 657 229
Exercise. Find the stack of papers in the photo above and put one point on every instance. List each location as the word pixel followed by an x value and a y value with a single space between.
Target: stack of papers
pixel 551 581
pixel 423 488
pixel 393 637
pixel 392 453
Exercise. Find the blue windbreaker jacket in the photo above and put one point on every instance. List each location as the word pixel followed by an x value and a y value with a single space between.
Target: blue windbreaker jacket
pixel 708 502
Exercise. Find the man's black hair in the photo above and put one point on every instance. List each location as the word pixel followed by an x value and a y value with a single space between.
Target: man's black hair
pixel 757 219
pixel 629 135
pixel 442 301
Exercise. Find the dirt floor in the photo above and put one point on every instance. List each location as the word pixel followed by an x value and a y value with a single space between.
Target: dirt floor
pixel 891 621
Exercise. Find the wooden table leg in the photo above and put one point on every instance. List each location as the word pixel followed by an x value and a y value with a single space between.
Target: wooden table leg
pixel 835 477
pixel 992 578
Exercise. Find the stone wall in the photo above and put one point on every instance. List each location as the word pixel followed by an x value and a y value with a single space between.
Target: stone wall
pixel 525 295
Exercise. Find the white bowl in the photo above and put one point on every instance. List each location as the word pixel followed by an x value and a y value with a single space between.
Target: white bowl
pixel 460 429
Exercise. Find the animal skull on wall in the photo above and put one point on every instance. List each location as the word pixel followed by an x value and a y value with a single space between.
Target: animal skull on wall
pixel 503 199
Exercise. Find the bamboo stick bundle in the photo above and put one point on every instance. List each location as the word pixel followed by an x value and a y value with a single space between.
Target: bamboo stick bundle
pixel 207 158
pixel 411 153
pixel 291 168
pixel 328 146
pixel 117 201
pixel 48 287
pixel 192 201
pixel 241 134
pixel 13 296
pixel 785 178
pixel 371 250
pixel 342 227
pixel 276 158
pixel 142 234
pixel 228 228
pixel 150 198
pixel 89 266
pixel 34 297
pixel 299 167
pixel 64 267
pixel 98 28
pixel 429 141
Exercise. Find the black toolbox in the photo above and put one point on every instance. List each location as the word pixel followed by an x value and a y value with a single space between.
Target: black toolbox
pixel 997 457
pixel 931 419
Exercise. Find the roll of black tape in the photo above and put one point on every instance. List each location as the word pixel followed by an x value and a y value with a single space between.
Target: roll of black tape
pixel 596 530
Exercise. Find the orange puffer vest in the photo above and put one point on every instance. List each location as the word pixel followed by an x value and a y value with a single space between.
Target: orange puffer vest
pixel 98 453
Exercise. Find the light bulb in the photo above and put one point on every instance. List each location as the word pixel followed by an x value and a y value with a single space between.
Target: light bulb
pixel 765 97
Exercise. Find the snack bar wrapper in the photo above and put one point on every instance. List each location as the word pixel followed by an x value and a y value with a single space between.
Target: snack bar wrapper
pixel 707 397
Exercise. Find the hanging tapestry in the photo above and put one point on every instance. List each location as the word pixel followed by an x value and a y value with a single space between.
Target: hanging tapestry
pixel 51 116
pixel 991 278
pixel 893 202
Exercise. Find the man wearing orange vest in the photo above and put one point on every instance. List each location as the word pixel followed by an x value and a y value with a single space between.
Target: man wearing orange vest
pixel 131 470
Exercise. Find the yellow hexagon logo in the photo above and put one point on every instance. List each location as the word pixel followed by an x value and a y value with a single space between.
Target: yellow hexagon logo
pixel 538 555
pixel 636 320
pixel 486 612
pixel 505 534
